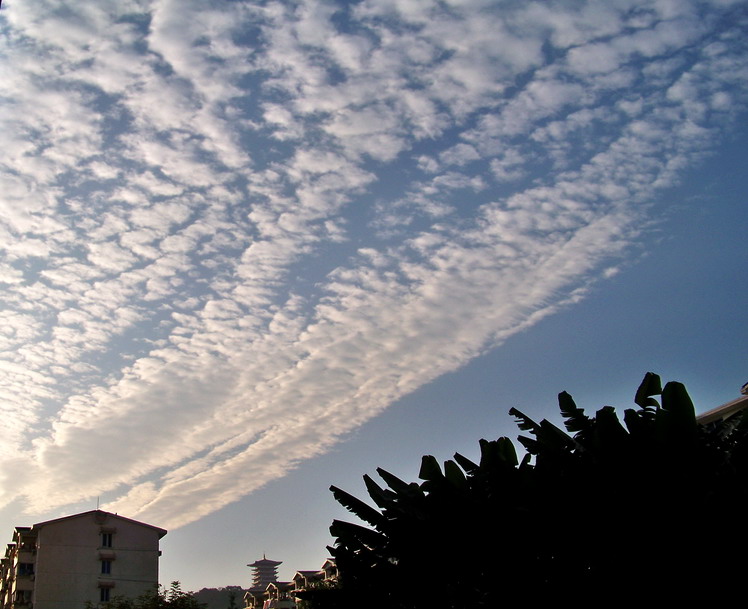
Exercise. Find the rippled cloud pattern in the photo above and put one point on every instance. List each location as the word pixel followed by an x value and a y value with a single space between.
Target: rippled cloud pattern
pixel 232 232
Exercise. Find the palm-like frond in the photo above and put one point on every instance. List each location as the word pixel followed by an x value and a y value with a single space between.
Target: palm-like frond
pixel 455 475
pixel 382 497
pixel 524 422
pixel 465 463
pixel 675 400
pixel 575 420
pixel 355 536
pixel 650 385
pixel 397 485
pixel 364 511
pixel 430 469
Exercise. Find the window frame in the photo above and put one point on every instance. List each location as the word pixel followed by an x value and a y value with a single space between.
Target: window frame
pixel 25 568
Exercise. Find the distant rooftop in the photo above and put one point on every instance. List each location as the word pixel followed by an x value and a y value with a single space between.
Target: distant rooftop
pixel 725 410
pixel 100 514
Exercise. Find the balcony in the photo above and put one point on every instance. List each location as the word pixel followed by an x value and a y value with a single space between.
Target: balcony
pixel 25 582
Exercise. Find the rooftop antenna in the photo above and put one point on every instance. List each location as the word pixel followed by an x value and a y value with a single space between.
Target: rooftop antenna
pixel 97 498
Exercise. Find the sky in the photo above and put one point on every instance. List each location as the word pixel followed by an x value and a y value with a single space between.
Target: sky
pixel 252 249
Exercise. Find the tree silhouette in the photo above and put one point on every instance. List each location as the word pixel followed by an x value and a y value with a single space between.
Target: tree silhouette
pixel 160 598
pixel 604 511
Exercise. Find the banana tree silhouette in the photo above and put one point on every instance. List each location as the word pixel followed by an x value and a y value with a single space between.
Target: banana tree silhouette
pixel 639 508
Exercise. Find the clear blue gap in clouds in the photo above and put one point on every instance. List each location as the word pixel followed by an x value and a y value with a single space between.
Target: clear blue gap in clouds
pixel 234 235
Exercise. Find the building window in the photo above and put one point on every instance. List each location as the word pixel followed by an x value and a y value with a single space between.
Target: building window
pixel 104 594
pixel 106 540
pixel 23 597
pixel 106 567
pixel 25 568
pixel 28 545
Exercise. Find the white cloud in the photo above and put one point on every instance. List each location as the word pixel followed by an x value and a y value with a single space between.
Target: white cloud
pixel 459 154
pixel 509 167
pixel 594 59
pixel 236 237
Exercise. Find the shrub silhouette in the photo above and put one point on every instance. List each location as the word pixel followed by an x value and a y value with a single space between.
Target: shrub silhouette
pixel 160 598
pixel 649 509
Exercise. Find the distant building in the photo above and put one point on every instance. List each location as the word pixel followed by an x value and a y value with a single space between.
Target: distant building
pixel 278 596
pixel 264 572
pixel 282 595
pixel 725 410
pixel 307 580
pixel 89 557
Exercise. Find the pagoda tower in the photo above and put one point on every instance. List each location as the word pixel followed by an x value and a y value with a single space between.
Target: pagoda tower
pixel 264 572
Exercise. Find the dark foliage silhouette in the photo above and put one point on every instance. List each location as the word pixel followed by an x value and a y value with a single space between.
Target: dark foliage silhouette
pixel 649 508
pixel 227 597
pixel 161 598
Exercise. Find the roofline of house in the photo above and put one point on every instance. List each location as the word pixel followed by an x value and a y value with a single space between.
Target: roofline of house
pixel 723 411
pixel 161 532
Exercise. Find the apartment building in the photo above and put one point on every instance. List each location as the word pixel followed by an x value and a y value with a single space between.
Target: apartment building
pixel 88 557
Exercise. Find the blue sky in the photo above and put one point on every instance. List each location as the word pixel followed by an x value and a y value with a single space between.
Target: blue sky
pixel 250 250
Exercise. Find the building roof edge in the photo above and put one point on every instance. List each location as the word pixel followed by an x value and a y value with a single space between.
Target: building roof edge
pixel 161 532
